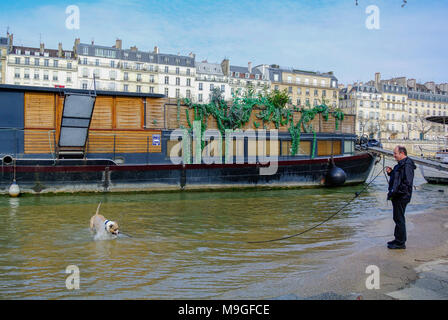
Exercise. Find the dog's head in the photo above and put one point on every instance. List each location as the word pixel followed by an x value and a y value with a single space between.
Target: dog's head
pixel 112 227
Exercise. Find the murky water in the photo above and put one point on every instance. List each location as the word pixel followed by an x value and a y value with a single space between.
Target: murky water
pixel 185 245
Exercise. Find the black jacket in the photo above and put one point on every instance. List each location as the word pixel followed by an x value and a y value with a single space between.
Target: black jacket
pixel 401 180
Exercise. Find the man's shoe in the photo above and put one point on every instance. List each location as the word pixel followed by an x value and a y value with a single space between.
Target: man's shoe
pixel 392 242
pixel 396 246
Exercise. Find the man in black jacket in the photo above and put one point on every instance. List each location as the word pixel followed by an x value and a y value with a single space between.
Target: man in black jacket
pixel 400 192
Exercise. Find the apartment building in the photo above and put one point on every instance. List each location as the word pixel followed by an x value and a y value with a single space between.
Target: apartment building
pixel 305 88
pixel 133 70
pixel 209 78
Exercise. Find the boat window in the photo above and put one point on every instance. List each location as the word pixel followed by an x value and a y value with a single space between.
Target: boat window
pixel 175 147
pixel 304 148
pixel 328 147
pixel 267 148
pixel 348 146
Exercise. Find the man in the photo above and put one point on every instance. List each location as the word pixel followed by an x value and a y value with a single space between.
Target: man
pixel 400 192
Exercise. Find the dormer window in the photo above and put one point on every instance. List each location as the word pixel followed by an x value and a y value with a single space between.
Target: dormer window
pixel 18 51
pixel 247 76
pixel 46 54
pixel 27 53
pixel 237 74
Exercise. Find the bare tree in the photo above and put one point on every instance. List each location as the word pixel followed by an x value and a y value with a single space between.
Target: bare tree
pixel 423 126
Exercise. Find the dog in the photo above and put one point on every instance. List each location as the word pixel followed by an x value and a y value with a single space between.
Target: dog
pixel 103 227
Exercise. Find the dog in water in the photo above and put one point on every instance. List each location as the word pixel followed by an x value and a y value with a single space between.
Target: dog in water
pixel 103 228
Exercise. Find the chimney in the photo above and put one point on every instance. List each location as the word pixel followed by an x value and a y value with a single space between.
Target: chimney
pixel 60 50
pixel 225 65
pixel 249 66
pixel 377 80
pixel 118 44
pixel 412 83
pixel 134 48
pixel 42 47
pixel 431 86
pixel 75 46
pixel 156 49
pixel 11 38
pixel 192 55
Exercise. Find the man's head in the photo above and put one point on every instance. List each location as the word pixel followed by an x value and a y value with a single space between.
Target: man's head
pixel 400 153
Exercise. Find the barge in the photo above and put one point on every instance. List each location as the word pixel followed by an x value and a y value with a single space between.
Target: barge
pixel 68 140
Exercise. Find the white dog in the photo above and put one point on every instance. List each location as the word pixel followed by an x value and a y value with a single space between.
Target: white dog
pixel 103 228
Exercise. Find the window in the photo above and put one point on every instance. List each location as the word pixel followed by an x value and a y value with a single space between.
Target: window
pixel 167 92
pixel 188 72
pixel 46 77
pixel 17 60
pixel 188 82
pixel 188 93
pixel 69 65
pixel 200 86
pixel 26 74
pixel 211 86
pixel 151 89
pixel 55 63
pixel 126 88
pixel 16 73
pixel 139 89
pixel 167 80
pixel 275 77
pixel 27 60
pixel 299 91
pixel 139 77
pixel 112 64
pixel 36 61
pixel 223 88
pixel 151 78
pixel 304 148
pixel 36 75
pixel 166 69
pixel 200 97
pixel 177 81
pixel 55 76
pixel 46 62
pixel 97 62
pixel 84 85
pixel 177 70
pixel 112 74
pixel 177 93
pixel 289 89
pixel 327 148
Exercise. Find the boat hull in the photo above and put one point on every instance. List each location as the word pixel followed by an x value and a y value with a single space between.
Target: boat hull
pixel 434 176
pixel 47 178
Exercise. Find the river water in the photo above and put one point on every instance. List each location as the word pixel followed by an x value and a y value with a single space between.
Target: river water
pixel 186 245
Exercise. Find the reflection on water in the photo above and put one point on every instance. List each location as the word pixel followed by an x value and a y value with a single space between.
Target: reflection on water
pixel 184 245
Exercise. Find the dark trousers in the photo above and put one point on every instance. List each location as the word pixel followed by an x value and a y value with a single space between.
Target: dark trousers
pixel 400 221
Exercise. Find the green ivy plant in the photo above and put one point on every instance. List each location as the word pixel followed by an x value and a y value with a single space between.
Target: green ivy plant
pixel 274 107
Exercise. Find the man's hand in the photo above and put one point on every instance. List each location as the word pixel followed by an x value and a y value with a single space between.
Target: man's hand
pixel 388 170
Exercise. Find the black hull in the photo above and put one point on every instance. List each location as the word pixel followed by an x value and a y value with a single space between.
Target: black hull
pixel 105 177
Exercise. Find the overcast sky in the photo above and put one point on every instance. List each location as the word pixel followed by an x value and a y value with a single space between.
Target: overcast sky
pixel 327 35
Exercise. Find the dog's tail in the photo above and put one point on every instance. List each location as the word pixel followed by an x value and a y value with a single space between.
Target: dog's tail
pixel 98 209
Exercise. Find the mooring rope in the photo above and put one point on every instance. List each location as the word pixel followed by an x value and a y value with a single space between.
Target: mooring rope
pixel 326 220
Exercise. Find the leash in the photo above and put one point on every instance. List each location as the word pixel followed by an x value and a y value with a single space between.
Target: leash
pixel 326 220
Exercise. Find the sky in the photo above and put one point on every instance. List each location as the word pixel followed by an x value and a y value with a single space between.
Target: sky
pixel 316 35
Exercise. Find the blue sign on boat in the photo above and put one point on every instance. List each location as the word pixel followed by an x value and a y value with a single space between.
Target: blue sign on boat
pixel 156 139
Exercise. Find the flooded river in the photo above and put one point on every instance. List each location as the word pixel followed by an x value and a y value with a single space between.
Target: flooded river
pixel 191 245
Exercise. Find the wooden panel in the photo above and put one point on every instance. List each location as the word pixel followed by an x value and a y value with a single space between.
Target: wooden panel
pixel 348 124
pixel 39 141
pixel 129 113
pixel 39 110
pixel 172 116
pixel 155 113
pixel 125 141
pixel 102 117
pixel 330 125
pixel 327 147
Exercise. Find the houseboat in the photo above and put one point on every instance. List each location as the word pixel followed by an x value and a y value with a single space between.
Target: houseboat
pixel 68 140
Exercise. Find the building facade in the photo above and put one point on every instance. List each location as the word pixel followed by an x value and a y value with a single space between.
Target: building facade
pixel 242 79
pixel 396 108
pixel 132 70
pixel 210 79
pixel 305 88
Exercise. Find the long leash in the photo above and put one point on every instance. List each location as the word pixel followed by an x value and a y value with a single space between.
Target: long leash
pixel 326 220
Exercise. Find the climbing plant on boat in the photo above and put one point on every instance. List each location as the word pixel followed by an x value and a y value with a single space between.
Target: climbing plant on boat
pixel 273 107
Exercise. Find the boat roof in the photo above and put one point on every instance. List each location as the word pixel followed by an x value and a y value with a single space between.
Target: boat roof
pixel 438 119
pixel 9 87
